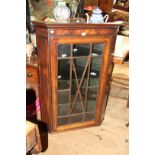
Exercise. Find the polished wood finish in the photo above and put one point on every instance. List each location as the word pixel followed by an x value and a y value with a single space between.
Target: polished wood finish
pixel 91 3
pixel 120 15
pixel 32 74
pixel 106 5
pixel 49 35
pixel 121 8
pixel 124 6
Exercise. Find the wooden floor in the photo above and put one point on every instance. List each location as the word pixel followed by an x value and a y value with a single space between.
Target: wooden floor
pixel 110 138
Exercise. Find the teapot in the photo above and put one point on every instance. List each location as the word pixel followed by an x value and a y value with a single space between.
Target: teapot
pixel 97 17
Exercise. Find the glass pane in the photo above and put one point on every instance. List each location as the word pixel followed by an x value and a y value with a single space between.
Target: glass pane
pixel 90 116
pixel 92 93
pixel 76 118
pixel 62 121
pixel 63 109
pixel 91 105
pixel 63 73
pixel 63 97
pixel 77 102
pixel 74 87
pixel 93 82
pixel 64 50
pixel 91 100
pixel 95 67
pixel 81 49
pixel 97 49
pixel 63 84
pixel 79 64
pixel 77 108
pixel 83 87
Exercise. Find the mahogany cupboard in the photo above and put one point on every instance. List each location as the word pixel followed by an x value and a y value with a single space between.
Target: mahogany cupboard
pixel 75 65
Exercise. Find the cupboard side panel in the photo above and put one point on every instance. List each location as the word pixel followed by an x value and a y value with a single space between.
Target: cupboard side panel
pixel 103 81
pixel 109 74
pixel 44 80
pixel 54 75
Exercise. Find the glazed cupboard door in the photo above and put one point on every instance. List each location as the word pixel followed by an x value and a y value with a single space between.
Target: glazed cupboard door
pixel 78 68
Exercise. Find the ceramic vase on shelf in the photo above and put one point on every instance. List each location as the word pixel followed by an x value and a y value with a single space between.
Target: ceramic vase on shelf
pixel 74 4
pixel 62 12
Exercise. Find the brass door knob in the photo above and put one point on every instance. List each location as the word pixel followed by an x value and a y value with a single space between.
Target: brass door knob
pixel 29 74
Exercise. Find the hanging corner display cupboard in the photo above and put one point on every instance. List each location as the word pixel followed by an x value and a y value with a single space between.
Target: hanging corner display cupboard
pixel 75 65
